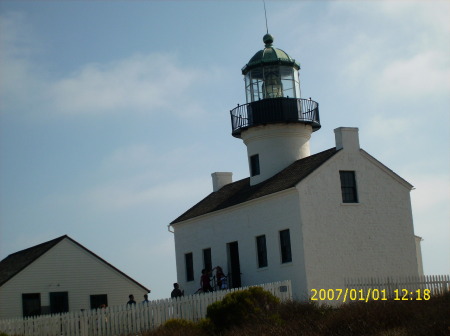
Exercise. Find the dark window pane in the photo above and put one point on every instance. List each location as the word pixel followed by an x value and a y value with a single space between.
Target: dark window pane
pixel 262 251
pixel 189 266
pixel 285 245
pixel 31 304
pixel 59 302
pixel 207 261
pixel 98 300
pixel 348 187
pixel 254 165
pixel 234 265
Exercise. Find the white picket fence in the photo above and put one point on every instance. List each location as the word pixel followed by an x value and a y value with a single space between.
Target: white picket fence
pixel 393 286
pixel 128 319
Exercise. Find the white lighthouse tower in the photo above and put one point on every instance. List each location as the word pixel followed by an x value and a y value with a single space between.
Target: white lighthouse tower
pixel 275 123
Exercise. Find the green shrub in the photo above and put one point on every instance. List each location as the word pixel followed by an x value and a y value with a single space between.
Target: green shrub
pixel 239 307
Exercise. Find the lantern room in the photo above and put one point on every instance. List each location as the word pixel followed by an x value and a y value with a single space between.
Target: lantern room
pixel 271 73
pixel 272 89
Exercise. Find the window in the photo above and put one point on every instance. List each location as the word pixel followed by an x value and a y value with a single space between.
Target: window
pixel 59 302
pixel 261 250
pixel 189 260
pixel 31 304
pixel 98 300
pixel 254 165
pixel 207 263
pixel 348 187
pixel 285 246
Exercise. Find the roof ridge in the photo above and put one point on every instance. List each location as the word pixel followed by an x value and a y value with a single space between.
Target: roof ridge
pixel 55 241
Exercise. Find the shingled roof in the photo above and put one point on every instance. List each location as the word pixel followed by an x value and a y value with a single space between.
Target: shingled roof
pixel 16 262
pixel 241 191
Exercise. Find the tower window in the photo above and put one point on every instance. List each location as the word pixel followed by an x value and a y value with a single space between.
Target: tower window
pixel 254 165
pixel 285 246
pixel 348 187
pixel 189 260
pixel 262 251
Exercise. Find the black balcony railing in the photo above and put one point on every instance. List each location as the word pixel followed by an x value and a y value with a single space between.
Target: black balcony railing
pixel 274 110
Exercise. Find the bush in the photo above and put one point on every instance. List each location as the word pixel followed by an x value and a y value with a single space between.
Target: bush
pixel 243 306
pixel 178 327
pixel 178 324
pixel 391 317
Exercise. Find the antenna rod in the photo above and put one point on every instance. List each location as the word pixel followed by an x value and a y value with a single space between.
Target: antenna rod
pixel 265 14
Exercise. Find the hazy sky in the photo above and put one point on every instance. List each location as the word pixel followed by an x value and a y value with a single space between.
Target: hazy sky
pixel 113 115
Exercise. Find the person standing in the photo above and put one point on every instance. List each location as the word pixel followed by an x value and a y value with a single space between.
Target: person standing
pixel 221 278
pixel 205 281
pixel 176 292
pixel 131 300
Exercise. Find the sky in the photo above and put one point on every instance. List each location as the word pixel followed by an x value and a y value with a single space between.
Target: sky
pixel 114 114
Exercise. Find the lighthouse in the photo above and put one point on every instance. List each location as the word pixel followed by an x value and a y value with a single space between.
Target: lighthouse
pixel 275 123
pixel 313 219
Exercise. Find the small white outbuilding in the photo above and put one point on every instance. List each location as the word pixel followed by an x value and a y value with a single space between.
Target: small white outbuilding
pixel 313 219
pixel 59 276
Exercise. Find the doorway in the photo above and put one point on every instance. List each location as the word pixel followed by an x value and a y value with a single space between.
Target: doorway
pixel 234 277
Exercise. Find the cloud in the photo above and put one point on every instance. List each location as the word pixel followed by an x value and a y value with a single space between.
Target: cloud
pixel 423 75
pixel 387 128
pixel 432 192
pixel 139 174
pixel 404 56
pixel 141 83
pixel 19 81
pixel 17 35
pixel 136 192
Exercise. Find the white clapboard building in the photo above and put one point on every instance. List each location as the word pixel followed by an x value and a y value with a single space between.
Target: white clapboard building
pixel 312 219
pixel 59 276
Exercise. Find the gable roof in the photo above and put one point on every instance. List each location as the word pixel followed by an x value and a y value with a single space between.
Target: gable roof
pixel 16 262
pixel 241 191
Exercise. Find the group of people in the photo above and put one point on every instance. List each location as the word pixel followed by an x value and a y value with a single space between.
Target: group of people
pixel 205 285
pixel 221 282
pixel 176 292
pixel 205 279
pixel 131 299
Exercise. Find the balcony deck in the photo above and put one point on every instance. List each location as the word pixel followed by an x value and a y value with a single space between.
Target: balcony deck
pixel 274 111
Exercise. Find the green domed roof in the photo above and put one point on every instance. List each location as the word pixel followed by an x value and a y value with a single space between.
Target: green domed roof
pixel 269 56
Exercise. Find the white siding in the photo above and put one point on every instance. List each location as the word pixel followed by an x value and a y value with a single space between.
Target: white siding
pixel 371 238
pixel 243 223
pixel 67 267
pixel 419 255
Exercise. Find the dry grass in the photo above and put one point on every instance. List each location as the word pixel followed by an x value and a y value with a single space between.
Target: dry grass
pixel 376 318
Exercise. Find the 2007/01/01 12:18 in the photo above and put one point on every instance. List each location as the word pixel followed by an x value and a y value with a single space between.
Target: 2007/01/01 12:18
pixel 368 294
